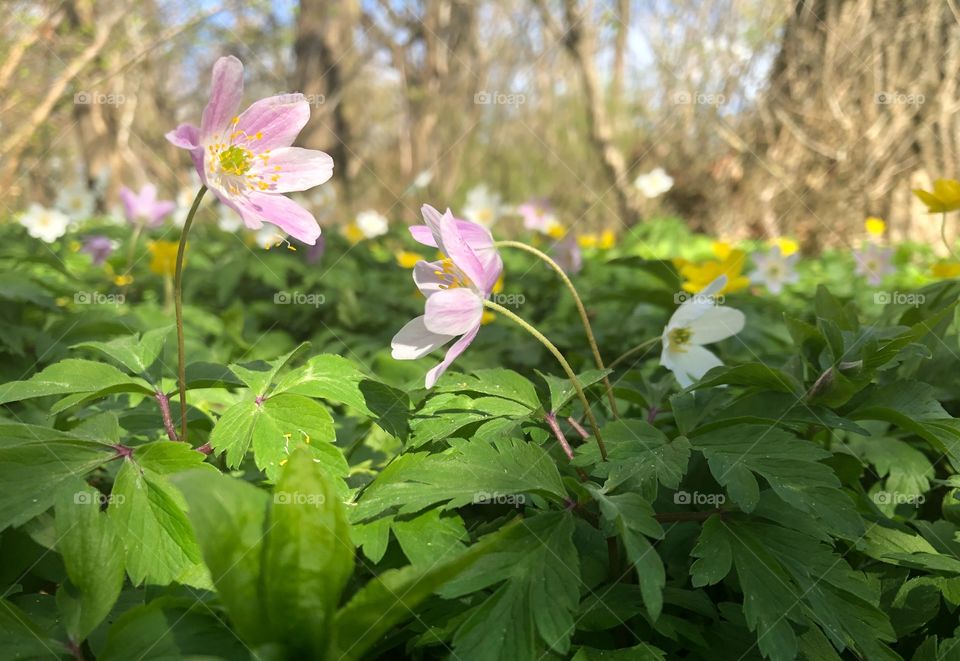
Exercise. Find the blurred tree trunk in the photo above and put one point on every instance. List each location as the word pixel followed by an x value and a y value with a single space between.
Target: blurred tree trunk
pixel 323 50
pixel 860 108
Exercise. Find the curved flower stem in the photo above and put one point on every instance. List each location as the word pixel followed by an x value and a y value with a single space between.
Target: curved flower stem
pixel 178 307
pixel 622 357
pixel 943 235
pixel 580 308
pixel 563 363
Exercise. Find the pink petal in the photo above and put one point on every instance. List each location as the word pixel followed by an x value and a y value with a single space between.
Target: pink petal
pixel 290 169
pixel 454 246
pixel 185 136
pixel 277 119
pixel 161 210
pixel 415 341
pixel 426 278
pixel 226 91
pixel 257 208
pixel 453 311
pixel 130 203
pixel 422 234
pixel 453 353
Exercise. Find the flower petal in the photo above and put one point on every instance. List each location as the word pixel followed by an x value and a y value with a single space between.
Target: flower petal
pixel 277 120
pixel 422 234
pixel 415 341
pixel 716 324
pixel 257 208
pixel 691 364
pixel 161 210
pixel 226 91
pixel 426 275
pixel 185 136
pixel 455 246
pixel 453 353
pixel 453 311
pixel 290 169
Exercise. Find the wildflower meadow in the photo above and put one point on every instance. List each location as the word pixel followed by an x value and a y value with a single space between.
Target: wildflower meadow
pixel 263 397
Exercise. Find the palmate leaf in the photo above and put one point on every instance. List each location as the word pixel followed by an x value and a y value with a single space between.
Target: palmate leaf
pixel 496 382
pixel 562 391
pixel 792 467
pixel 73 377
pixel 448 414
pixel 790 582
pixel 133 352
pixel 538 572
pixel 468 472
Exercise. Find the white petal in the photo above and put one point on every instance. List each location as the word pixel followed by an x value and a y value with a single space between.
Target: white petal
pixel 415 341
pixel 716 324
pixel 693 361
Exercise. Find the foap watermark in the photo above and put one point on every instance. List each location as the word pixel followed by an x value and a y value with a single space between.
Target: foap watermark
pixel 897 498
pixel 698 99
pixel 899 298
pixel 86 98
pixel 509 300
pixel 293 97
pixel 699 498
pixel 682 297
pixel 495 498
pixel 99 499
pixel 299 298
pixel 495 98
pixel 299 498
pixel 98 298
pixel 898 99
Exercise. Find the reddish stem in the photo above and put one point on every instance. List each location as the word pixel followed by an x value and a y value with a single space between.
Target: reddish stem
pixel 164 403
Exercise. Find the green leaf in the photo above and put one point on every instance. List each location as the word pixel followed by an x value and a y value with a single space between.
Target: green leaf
pixel 469 472
pixel 430 537
pixel 93 559
pixel 35 462
pixel 562 391
pixel 533 610
pixel 229 519
pixel 495 382
pixel 449 414
pixel 134 352
pixel 72 376
pixel 307 558
pixel 258 376
pixel 756 375
pixel 22 638
pixel 148 515
pixel 792 468
pixel 392 597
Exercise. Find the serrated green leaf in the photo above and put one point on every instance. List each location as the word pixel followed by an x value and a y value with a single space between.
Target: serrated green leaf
pixel 133 352
pixel 72 376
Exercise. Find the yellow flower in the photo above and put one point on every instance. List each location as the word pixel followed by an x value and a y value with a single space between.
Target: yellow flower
pixel 721 249
pixel 487 317
pixel 787 246
pixel 875 226
pixel 556 231
pixel 163 259
pixel 944 197
pixel 698 276
pixel 587 240
pixel 679 262
pixel 407 259
pixel 498 285
pixel 608 239
pixel 946 269
pixel 353 233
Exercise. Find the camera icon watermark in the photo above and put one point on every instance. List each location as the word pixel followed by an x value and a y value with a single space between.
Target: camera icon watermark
pixel 683 98
pixel 897 498
pixel 98 298
pixel 298 498
pixel 899 298
pixel 99 499
pixel 299 298
pixel 898 99
pixel 496 498
pixel 682 297
pixel 699 498
pixel 495 98
pixel 86 98
pixel 294 97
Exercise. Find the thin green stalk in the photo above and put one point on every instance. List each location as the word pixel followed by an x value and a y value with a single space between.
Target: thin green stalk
pixel 634 350
pixel 591 338
pixel 178 307
pixel 563 363
pixel 943 235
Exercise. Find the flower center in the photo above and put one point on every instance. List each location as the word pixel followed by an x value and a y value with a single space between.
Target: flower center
pixel 235 160
pixel 679 338
pixel 451 276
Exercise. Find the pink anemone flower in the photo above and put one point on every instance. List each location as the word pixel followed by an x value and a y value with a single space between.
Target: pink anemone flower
pixel 144 207
pixel 455 289
pixel 247 160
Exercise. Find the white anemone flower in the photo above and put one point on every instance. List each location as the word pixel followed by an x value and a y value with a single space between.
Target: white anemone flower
pixel 698 321
pixel 76 201
pixel 48 225
pixel 372 224
pixel 654 183
pixel 774 270
pixel 482 206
